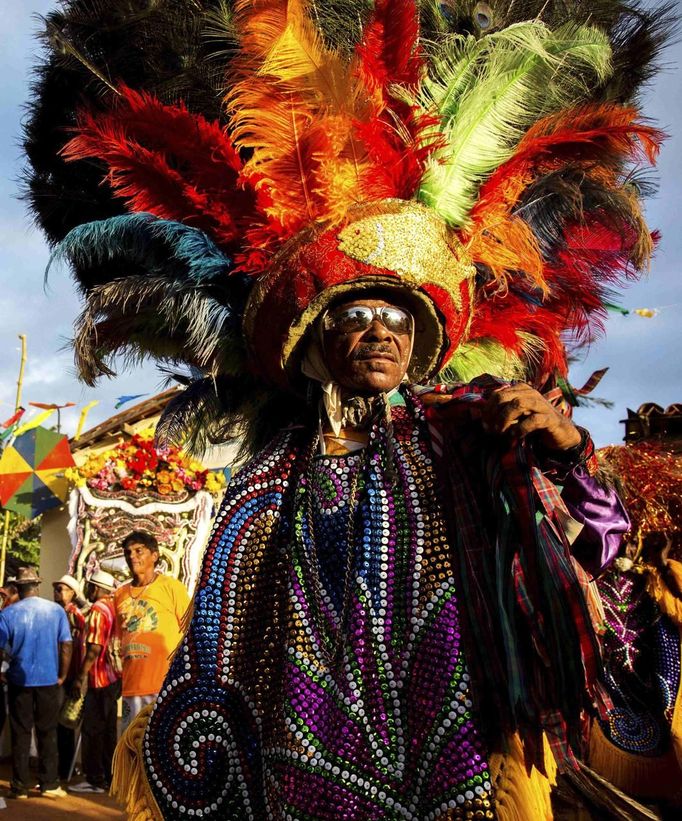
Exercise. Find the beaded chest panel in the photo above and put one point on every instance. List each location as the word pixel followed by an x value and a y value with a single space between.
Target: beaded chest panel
pixel 323 676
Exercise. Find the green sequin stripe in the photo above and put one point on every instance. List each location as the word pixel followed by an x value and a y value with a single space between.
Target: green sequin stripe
pixel 333 693
pixel 360 787
pixel 383 678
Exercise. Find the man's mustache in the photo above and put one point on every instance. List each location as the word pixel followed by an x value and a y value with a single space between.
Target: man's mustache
pixel 369 349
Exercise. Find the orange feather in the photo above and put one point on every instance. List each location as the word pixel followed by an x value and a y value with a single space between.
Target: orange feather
pixel 293 109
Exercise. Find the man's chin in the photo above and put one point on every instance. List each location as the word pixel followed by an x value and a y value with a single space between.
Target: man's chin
pixel 374 383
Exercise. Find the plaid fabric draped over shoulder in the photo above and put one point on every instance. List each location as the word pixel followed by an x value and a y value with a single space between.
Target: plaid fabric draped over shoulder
pixel 533 650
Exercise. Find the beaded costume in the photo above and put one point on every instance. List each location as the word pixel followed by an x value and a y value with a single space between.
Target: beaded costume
pixel 329 591
pixel 396 632
pixel 374 715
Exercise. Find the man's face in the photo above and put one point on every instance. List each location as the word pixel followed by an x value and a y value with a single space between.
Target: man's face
pixel 140 559
pixel 63 594
pixel 368 361
pixel 91 591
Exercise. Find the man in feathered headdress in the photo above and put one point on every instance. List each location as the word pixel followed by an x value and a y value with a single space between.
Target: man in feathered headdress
pixel 393 615
pixel 388 604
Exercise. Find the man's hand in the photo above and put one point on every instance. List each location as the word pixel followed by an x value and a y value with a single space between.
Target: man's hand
pixel 520 410
pixel 78 687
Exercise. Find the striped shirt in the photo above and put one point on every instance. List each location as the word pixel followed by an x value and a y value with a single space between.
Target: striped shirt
pixel 101 622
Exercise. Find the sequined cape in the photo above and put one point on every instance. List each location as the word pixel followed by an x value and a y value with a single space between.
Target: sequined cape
pixel 311 686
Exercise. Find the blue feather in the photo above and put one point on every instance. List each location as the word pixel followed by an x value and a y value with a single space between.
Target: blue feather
pixel 145 243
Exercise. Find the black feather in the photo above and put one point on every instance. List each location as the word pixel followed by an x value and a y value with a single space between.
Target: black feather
pixel 217 410
pixel 571 196
pixel 160 47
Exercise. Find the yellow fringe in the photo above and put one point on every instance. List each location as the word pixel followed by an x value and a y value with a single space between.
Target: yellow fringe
pixel 640 776
pixel 518 795
pixel 129 783
pixel 659 591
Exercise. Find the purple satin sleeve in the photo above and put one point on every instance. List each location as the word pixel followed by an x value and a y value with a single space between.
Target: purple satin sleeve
pixel 602 515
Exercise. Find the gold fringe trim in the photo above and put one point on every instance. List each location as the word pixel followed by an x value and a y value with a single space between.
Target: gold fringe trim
pixel 520 796
pixel 641 776
pixel 129 782
pixel 659 591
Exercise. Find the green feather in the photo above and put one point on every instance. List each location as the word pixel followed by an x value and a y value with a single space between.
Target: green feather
pixel 489 92
pixel 476 357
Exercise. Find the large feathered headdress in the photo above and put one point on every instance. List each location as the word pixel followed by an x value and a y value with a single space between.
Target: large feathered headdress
pixel 245 163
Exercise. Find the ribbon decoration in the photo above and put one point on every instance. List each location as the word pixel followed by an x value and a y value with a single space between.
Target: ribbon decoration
pixel 565 391
pixel 13 420
pixel 35 422
pixel 649 313
pixel 81 422
pixel 51 405
pixel 122 400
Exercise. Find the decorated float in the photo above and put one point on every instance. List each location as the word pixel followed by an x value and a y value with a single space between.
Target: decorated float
pixel 135 486
pixel 121 482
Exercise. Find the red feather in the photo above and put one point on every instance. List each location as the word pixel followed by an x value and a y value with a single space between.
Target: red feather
pixel 169 162
pixel 389 53
pixel 398 146
pixel 394 138
pixel 559 301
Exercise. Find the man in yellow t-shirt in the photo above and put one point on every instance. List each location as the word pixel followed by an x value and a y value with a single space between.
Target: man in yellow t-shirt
pixel 149 613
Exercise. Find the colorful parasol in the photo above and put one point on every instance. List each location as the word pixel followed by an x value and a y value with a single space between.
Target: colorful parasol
pixel 32 472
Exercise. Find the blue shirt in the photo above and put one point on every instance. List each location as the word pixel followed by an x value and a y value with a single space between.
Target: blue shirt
pixel 30 632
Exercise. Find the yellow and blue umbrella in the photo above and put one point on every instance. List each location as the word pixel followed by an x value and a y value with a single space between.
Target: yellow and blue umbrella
pixel 32 472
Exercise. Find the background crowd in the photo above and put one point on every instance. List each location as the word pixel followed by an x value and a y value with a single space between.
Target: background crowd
pixel 66 664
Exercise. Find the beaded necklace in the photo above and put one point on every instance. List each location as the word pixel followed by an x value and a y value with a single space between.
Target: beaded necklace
pixel 143 588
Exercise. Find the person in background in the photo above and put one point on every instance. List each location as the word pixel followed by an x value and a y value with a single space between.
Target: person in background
pixel 149 611
pixel 67 592
pixel 103 682
pixel 9 594
pixel 35 633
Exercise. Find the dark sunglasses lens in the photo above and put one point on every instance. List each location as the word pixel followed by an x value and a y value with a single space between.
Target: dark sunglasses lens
pixel 396 320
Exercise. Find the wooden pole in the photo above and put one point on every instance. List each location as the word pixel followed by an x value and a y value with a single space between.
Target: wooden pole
pixel 3 550
pixel 17 405
pixel 22 365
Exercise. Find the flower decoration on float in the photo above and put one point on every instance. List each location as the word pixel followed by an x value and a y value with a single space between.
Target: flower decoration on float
pixel 137 465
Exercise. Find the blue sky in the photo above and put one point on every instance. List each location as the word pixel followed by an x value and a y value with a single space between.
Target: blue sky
pixel 644 355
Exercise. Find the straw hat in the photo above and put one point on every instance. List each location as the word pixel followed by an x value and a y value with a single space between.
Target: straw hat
pixel 69 581
pixel 103 579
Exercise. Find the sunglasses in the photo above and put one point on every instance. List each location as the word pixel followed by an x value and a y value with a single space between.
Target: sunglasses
pixel 360 317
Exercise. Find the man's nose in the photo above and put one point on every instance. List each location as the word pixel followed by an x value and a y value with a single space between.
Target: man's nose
pixel 377 331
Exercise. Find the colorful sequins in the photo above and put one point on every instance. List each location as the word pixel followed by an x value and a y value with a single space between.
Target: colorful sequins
pixel 642 661
pixel 323 674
